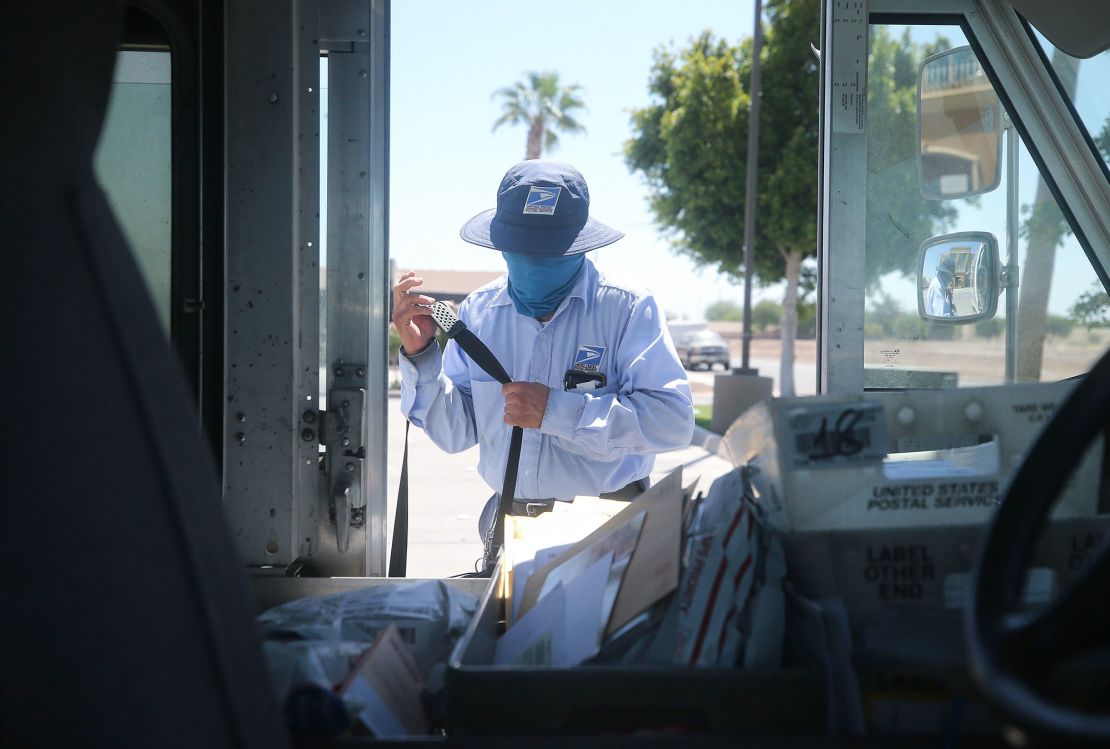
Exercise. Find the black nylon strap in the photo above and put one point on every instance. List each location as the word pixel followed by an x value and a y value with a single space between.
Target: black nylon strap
pixel 508 490
pixel 484 358
pixel 399 553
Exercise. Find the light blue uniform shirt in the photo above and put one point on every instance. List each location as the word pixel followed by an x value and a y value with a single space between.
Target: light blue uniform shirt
pixel 589 442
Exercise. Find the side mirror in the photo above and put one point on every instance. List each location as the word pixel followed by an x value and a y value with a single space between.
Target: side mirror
pixel 958 278
pixel 959 127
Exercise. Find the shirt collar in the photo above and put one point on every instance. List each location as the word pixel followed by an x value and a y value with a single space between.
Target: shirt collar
pixel 586 283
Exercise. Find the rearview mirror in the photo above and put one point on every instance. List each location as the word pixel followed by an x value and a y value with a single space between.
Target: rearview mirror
pixel 959 127
pixel 958 278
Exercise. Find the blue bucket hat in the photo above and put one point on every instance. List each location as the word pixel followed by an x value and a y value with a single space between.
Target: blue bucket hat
pixel 543 210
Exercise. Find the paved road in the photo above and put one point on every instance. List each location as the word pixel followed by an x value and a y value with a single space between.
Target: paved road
pixel 805 378
pixel 446 495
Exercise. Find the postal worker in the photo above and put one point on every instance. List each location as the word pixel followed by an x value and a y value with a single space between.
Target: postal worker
pixel 597 385
pixel 938 297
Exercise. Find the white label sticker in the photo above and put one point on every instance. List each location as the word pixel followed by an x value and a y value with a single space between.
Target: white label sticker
pixel 848 92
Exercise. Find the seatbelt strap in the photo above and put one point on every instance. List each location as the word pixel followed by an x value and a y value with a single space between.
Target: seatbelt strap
pixel 484 358
pixel 508 492
pixel 399 552
pixel 480 354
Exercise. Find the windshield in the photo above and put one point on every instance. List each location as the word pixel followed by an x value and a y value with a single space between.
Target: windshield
pixel 949 210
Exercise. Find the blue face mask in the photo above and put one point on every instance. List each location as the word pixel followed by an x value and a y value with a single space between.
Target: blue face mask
pixel 538 284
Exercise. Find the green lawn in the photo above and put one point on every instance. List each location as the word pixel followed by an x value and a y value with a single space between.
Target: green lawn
pixel 703 416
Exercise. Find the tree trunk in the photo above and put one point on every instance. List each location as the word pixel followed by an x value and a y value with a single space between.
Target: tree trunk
pixel 534 148
pixel 789 323
pixel 1043 238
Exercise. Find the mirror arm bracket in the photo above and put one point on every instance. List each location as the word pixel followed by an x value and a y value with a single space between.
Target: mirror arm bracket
pixel 1008 277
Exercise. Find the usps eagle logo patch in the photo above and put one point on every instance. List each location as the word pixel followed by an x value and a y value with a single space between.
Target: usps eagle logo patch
pixel 542 200
pixel 588 358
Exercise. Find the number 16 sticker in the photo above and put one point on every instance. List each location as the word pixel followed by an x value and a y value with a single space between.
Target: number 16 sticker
pixel 832 434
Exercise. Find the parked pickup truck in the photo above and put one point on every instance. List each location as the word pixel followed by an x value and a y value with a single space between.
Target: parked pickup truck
pixel 702 348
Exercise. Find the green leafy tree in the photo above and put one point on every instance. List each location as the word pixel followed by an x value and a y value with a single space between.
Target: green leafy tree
pixel 543 106
pixel 690 146
pixel 807 319
pixel 726 311
pixel 767 314
pixel 1092 308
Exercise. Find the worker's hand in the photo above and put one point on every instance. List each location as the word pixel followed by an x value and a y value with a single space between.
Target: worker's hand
pixel 525 403
pixel 411 315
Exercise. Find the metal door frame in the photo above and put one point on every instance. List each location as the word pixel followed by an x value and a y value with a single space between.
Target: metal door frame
pixel 271 421
pixel 355 35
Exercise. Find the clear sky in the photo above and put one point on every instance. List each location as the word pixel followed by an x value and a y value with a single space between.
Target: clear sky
pixel 447 60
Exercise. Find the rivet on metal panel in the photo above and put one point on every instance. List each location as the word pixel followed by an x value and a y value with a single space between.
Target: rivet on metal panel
pixel 308 435
pixel 310 244
pixel 273 98
pixel 241 437
pixel 351 467
pixel 346 404
pixel 309 89
pixel 309 415
pixel 241 417
pixel 362 74
pixel 362 32
pixel 973 411
pixel 906 415
pixel 360 372
pixel 339 371
pixel 272 547
pixel 346 441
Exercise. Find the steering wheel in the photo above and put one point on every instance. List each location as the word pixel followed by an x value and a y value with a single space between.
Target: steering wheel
pixel 1011 650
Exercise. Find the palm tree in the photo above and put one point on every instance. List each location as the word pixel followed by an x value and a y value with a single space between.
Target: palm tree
pixel 539 102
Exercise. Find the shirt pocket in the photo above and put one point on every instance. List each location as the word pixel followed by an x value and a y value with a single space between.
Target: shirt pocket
pixel 611 387
pixel 489 408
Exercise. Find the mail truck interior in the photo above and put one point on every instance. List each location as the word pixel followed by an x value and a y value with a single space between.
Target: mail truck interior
pixel 194 438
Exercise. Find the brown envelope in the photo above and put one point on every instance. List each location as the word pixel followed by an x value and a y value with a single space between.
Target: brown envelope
pixel 653 571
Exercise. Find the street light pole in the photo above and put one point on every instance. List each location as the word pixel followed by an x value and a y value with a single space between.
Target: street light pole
pixel 750 191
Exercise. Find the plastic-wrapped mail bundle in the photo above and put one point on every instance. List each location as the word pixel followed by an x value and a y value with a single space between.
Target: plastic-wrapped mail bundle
pixel 297 662
pixel 430 617
pixel 729 606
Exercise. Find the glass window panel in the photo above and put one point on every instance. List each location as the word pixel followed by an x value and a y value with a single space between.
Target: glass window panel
pixel 133 165
pixel 1085 83
pixel 1050 336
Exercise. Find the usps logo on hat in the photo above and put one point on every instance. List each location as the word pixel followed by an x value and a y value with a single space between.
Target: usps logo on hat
pixel 542 200
pixel 588 358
